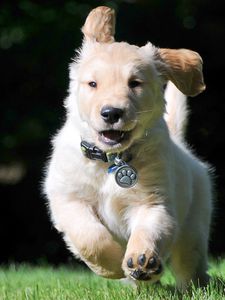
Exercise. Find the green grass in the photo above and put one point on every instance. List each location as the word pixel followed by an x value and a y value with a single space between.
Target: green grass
pixel 24 282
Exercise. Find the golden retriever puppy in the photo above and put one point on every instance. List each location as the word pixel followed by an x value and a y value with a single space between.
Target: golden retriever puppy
pixel 122 186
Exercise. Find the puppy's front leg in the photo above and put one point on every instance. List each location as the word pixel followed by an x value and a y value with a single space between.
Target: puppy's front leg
pixel 152 232
pixel 86 236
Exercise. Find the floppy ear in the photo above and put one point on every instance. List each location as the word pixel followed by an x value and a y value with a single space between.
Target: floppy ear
pixel 184 68
pixel 100 25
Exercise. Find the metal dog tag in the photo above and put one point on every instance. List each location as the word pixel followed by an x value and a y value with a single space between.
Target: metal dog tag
pixel 126 176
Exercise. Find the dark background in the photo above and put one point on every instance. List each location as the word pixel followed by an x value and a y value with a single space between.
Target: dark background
pixel 37 42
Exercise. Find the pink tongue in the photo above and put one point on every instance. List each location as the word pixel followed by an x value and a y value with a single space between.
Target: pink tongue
pixel 112 135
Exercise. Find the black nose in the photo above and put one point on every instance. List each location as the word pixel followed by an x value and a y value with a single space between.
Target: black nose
pixel 111 114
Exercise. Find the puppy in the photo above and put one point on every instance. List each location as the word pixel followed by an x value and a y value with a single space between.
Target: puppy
pixel 122 186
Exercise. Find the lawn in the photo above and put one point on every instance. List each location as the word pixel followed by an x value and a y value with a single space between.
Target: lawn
pixel 24 282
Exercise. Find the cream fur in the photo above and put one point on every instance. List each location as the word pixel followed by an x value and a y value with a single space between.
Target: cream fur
pixel 167 213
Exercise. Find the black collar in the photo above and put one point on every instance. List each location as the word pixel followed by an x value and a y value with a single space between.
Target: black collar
pixel 94 153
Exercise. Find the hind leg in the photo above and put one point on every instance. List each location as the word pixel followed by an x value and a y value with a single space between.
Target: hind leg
pixel 189 256
pixel 189 259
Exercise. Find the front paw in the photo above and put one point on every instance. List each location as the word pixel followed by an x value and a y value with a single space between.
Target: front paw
pixel 146 267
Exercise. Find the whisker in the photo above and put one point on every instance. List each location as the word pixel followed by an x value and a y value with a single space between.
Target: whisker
pixel 144 111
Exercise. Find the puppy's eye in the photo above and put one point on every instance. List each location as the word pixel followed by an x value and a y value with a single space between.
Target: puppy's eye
pixel 134 83
pixel 92 84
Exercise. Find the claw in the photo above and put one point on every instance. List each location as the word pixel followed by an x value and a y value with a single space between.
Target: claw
pixel 159 270
pixel 152 263
pixel 140 275
pixel 130 263
pixel 142 259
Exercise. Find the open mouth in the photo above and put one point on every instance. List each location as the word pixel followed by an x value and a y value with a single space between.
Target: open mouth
pixel 113 137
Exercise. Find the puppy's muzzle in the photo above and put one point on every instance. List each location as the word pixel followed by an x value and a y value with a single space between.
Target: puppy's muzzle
pixel 111 114
pixel 114 118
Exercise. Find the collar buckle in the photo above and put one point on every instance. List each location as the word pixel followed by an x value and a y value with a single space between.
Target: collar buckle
pixel 93 152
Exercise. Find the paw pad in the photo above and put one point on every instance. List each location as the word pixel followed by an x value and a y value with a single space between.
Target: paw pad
pixel 126 176
pixel 144 269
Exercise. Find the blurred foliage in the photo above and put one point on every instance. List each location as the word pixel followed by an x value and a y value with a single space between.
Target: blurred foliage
pixel 37 42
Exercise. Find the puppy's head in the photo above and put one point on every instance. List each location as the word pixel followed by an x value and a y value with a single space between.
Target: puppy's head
pixel 118 87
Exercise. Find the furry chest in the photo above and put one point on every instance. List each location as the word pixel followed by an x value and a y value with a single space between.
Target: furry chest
pixel 112 211
pixel 114 206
